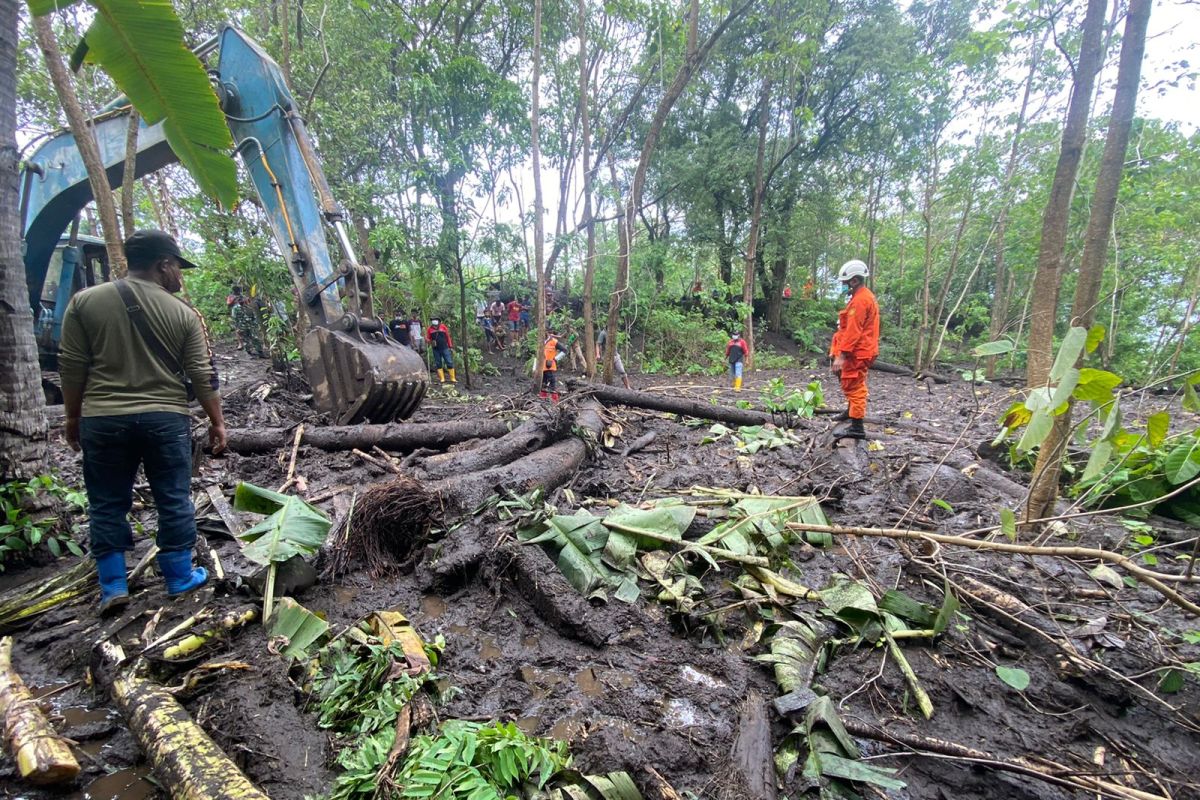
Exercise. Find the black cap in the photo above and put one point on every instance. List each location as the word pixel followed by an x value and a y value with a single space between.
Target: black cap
pixel 146 246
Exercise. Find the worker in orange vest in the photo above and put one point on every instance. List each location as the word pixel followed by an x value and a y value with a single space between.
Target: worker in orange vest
pixel 855 346
pixel 552 352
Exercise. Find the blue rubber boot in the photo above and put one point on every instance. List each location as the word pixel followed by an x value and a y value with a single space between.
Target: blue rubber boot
pixel 179 574
pixel 114 590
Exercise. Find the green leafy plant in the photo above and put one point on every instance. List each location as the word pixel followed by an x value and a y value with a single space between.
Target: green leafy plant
pixel 292 528
pixel 749 439
pixel 22 532
pixel 472 761
pixel 791 404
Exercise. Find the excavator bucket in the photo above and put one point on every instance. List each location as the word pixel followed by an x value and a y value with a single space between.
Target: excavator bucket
pixel 358 379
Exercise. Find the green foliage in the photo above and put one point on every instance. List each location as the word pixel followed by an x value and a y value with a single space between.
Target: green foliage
pixel 21 532
pixel 292 527
pixel 359 694
pixel 684 342
pixel 472 761
pixel 792 403
pixel 749 439
pixel 165 81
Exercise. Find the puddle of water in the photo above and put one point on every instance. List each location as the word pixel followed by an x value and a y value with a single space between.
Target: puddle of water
pixel 460 630
pixel 490 651
pixel 623 680
pixel 433 606
pixel 681 712
pixel 693 675
pixel 74 716
pixel 125 784
pixel 566 729
pixel 588 683
pixel 344 595
pixel 49 688
pixel 529 724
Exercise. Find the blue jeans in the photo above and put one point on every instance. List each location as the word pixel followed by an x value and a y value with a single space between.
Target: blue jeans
pixel 442 357
pixel 113 447
pixel 735 369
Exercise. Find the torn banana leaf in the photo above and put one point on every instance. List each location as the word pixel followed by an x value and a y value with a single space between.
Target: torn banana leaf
pixel 797 653
pixel 676 589
pixel 906 608
pixel 852 603
pixel 297 626
pixel 670 521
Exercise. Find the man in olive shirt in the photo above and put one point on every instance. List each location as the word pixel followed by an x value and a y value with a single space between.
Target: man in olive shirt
pixel 126 407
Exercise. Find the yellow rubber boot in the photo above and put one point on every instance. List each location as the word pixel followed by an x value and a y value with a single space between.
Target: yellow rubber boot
pixel 737 384
pixel 452 378
pixel 442 376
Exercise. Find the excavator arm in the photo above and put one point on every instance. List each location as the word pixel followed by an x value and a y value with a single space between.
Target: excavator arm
pixel 356 370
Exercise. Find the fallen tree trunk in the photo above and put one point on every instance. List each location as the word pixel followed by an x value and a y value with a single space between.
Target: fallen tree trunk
pixel 42 756
pixel 402 436
pixel 897 369
pixel 613 396
pixel 546 469
pixel 531 435
pixel 184 758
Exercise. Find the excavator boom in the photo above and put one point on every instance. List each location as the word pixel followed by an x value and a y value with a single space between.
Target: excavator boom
pixel 356 370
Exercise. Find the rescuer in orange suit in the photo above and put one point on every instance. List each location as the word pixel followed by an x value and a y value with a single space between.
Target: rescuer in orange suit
pixel 855 346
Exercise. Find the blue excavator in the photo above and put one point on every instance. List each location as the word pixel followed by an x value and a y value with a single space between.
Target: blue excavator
pixel 357 372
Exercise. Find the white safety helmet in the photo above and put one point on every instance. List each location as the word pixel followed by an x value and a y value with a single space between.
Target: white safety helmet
pixel 853 268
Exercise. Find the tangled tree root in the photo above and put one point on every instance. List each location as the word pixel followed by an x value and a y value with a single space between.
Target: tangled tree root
pixel 385 529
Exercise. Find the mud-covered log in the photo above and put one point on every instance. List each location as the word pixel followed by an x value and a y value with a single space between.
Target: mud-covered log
pixel 897 369
pixel 752 755
pixel 398 436
pixel 613 396
pixel 531 435
pixel 185 760
pixel 547 469
pixel 42 756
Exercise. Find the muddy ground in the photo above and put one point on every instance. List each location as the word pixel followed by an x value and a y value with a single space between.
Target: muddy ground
pixel 660 690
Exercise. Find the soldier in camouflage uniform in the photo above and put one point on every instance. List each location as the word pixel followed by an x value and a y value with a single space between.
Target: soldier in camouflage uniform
pixel 247 327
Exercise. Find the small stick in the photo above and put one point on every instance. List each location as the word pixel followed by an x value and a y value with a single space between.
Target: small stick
pixel 291 471
pixel 395 462
pixel 217 567
pixel 923 701
pixel 388 466
pixel 328 493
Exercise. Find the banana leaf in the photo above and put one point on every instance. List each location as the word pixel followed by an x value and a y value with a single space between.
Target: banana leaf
pixel 139 44
pixel 298 626
pixel 293 528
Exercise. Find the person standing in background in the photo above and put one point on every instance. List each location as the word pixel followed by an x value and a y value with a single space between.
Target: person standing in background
pixel 855 346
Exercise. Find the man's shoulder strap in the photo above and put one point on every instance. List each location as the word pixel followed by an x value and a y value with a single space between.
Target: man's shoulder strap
pixel 137 317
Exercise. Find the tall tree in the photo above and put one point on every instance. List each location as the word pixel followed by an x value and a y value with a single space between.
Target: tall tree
pixel 23 425
pixel 1044 486
pixel 694 56
pixel 1056 217
pixel 85 140
pixel 589 264
pixel 539 245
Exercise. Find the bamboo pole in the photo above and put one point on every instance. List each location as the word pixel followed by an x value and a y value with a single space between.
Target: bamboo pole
pixel 183 756
pixel 1155 580
pixel 42 756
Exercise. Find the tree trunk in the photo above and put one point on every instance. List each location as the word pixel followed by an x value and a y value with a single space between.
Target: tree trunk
pixel 779 269
pixel 85 140
pixel 23 425
pixel 400 437
pixel 613 395
pixel 1000 299
pixel 1056 217
pixel 695 56
pixel 764 105
pixel 589 265
pixel 927 217
pixel 40 754
pixel 181 753
pixel 1044 484
pixel 539 255
pixel 128 177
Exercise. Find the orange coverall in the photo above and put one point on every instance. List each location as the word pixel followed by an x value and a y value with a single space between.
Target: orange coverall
pixel 857 341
